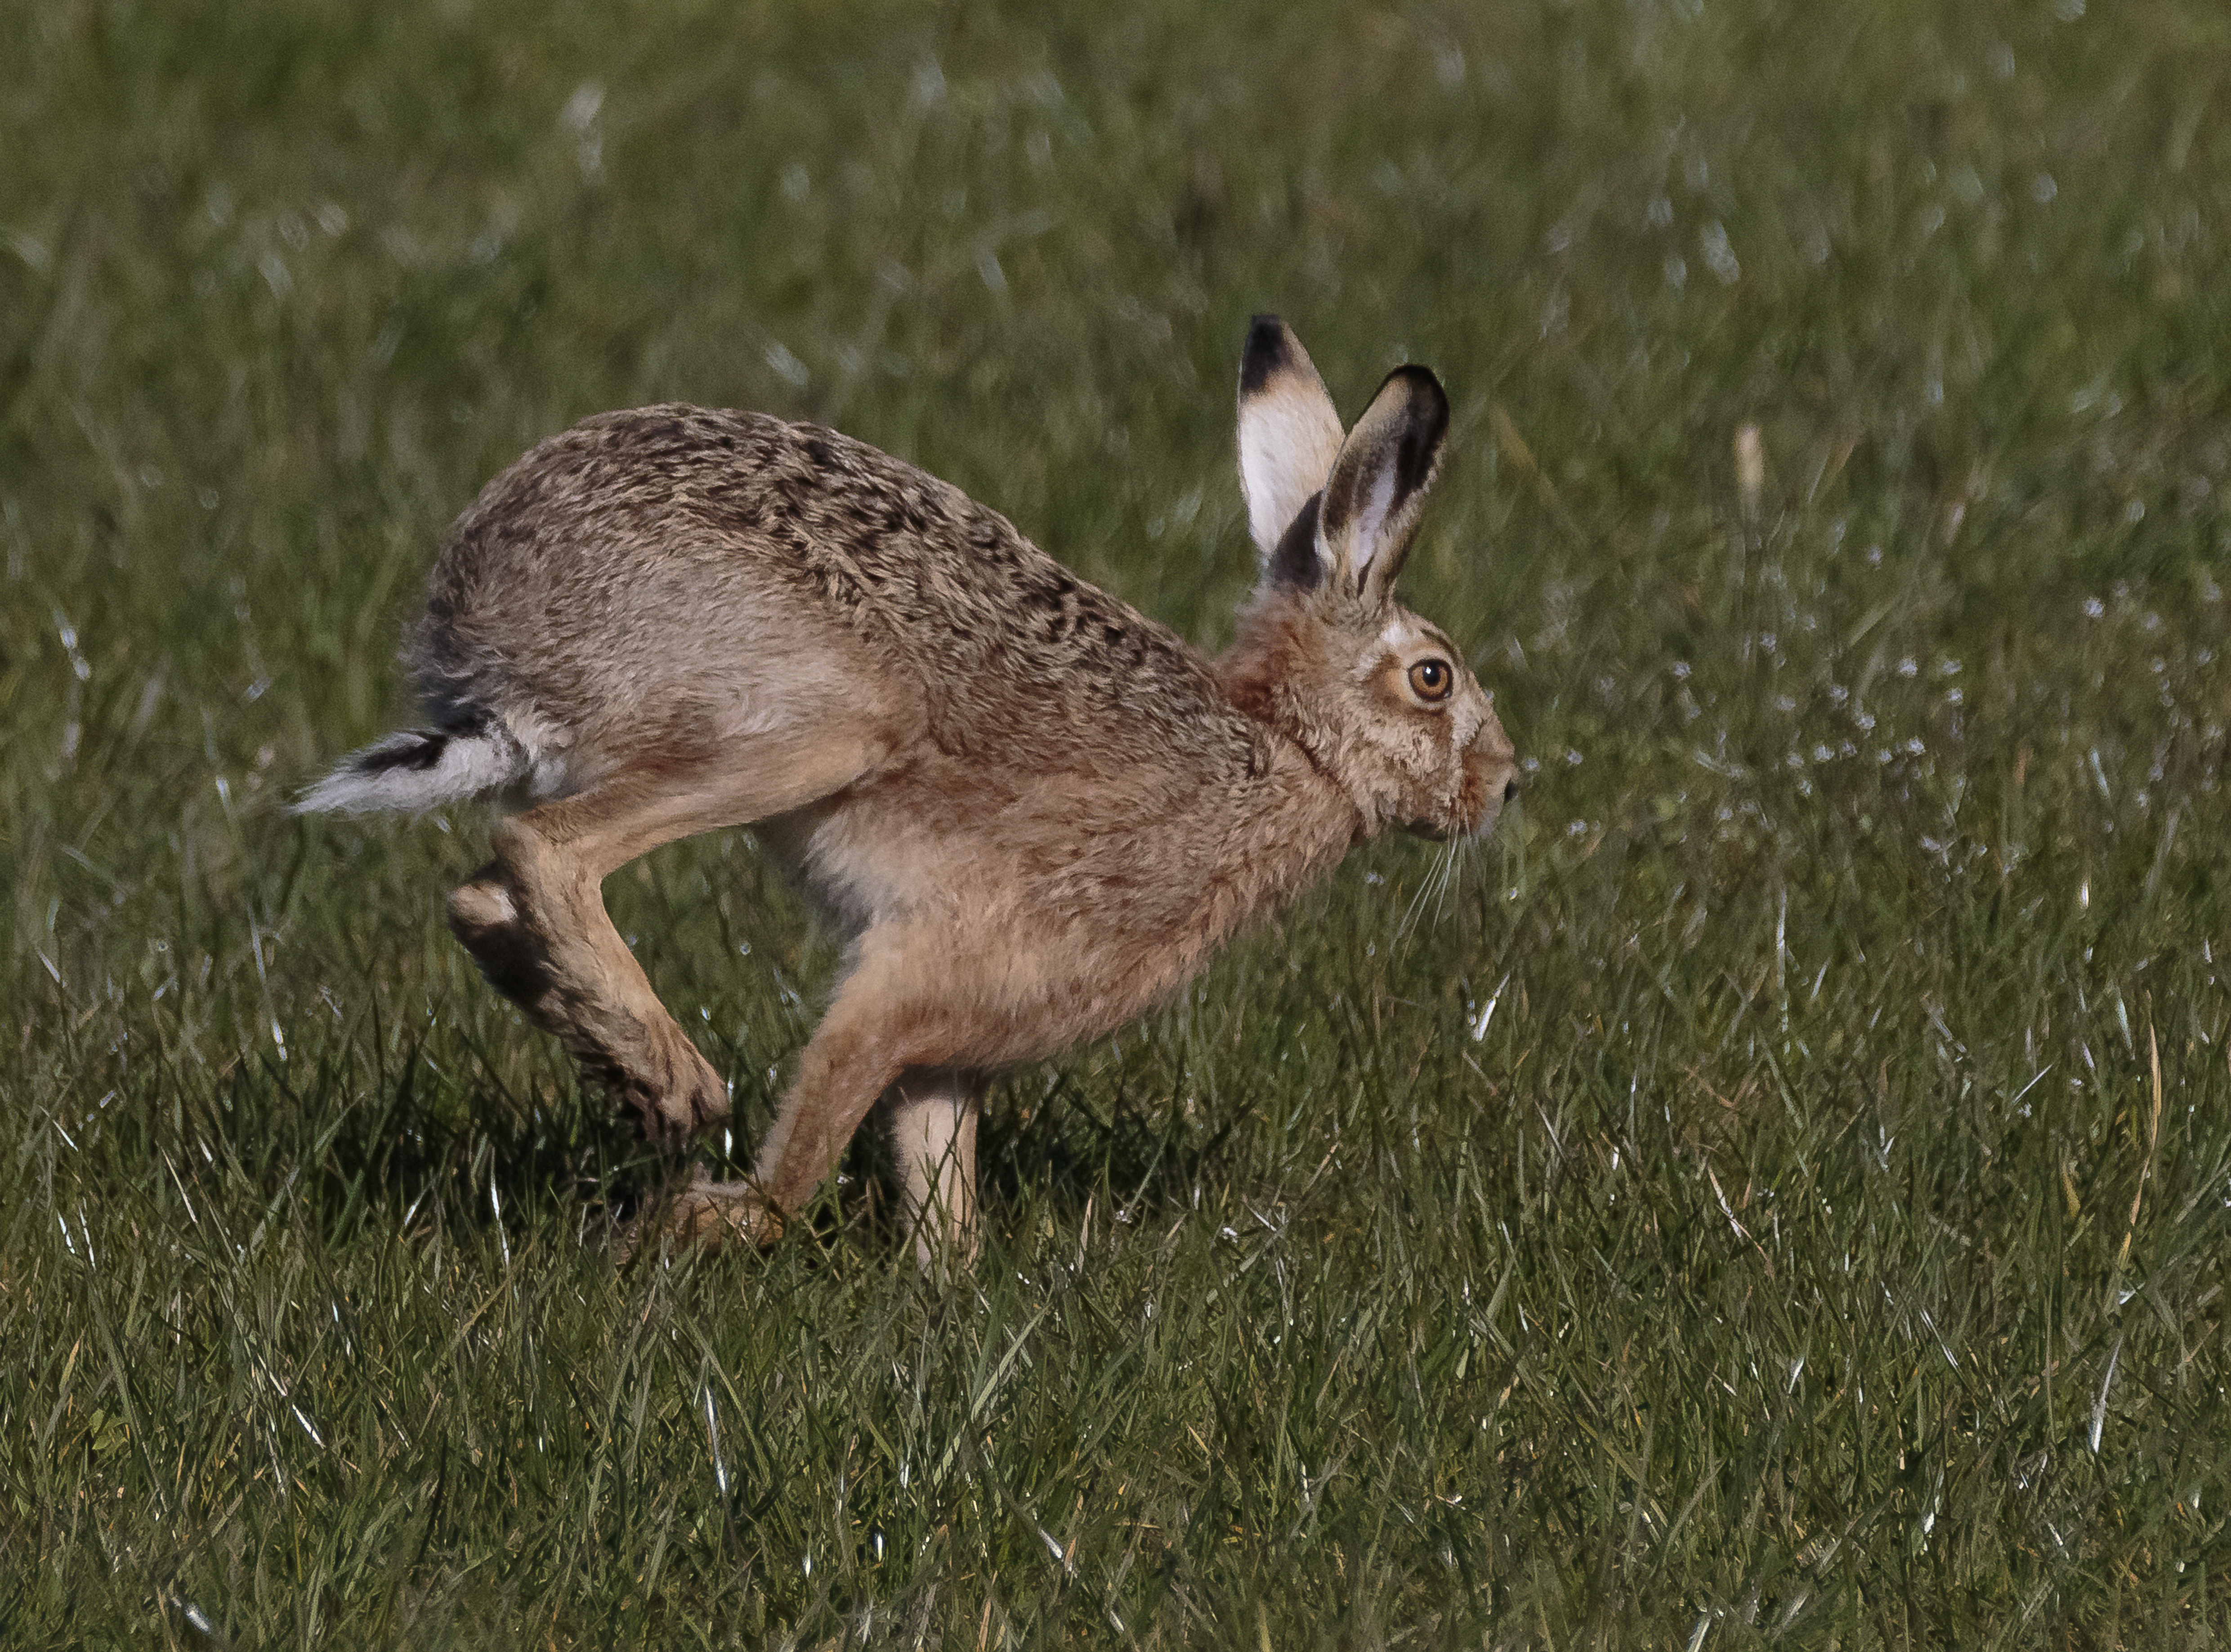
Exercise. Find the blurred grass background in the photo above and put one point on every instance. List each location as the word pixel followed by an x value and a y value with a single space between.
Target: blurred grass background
pixel 1778 1196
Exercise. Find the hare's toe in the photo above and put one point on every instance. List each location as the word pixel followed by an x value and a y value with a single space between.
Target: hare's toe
pixel 670 1086
pixel 701 1215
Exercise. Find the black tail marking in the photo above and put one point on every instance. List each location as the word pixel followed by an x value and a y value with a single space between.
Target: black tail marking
pixel 413 748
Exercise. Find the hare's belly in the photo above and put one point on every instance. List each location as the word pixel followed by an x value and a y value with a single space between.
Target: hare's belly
pixel 1052 920
pixel 990 997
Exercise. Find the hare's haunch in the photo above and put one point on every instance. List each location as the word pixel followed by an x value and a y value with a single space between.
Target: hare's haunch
pixel 1035 811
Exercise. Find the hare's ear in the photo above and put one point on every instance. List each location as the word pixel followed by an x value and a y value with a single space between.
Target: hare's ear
pixel 1289 434
pixel 1378 481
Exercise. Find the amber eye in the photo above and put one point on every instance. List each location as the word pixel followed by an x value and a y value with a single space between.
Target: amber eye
pixel 1431 679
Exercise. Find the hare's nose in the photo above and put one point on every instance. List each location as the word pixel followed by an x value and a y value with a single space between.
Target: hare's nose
pixel 1510 790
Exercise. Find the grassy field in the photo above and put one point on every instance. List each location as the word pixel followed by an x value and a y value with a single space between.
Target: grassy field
pixel 1780 1194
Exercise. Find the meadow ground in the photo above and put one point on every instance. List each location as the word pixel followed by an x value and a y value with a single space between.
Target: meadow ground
pixel 1775 1194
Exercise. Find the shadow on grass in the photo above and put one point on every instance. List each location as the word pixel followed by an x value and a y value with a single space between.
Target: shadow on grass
pixel 408 1145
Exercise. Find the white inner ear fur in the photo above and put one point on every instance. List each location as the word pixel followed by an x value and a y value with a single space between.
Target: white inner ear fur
pixel 1369 525
pixel 1289 436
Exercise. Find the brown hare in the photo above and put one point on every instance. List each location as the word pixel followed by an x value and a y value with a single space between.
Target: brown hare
pixel 1035 811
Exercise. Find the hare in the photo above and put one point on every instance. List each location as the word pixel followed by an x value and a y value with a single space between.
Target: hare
pixel 1034 811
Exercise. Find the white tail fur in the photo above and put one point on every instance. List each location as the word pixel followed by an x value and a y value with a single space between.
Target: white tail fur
pixel 416 770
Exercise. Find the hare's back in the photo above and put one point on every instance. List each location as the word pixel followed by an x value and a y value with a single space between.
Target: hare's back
pixel 1001 642
pixel 659 557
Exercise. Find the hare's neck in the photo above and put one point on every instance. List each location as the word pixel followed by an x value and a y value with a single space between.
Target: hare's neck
pixel 1291 827
pixel 1267 652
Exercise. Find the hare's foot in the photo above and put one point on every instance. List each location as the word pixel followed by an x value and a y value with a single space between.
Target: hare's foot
pixel 700 1215
pixel 932 1114
pixel 671 1088
pixel 561 963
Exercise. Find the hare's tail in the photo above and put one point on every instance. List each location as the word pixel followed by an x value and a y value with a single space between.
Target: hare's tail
pixel 419 769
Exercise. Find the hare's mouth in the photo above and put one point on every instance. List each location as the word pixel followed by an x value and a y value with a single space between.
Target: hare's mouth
pixel 1478 809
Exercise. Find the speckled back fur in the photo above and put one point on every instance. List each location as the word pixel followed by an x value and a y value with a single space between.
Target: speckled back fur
pixel 1012 657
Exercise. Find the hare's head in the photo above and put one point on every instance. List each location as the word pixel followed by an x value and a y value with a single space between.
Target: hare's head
pixel 1379 698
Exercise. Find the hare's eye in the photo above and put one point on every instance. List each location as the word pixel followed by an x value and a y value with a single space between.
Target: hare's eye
pixel 1431 679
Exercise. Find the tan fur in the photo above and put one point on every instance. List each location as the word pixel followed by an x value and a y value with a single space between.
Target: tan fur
pixel 1035 811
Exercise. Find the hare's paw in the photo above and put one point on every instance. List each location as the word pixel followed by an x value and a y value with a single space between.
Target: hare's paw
pixel 701 1215
pixel 665 1079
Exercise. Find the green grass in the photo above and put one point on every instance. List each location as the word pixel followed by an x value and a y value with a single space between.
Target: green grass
pixel 1740 1211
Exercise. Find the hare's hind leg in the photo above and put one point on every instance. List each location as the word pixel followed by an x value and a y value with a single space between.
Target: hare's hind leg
pixel 933 1123
pixel 535 917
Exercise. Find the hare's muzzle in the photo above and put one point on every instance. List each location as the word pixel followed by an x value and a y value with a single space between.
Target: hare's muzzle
pixel 1491 778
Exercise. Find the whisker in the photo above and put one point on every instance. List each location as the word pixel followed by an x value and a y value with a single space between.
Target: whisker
pixel 1452 865
pixel 1435 885
pixel 1403 930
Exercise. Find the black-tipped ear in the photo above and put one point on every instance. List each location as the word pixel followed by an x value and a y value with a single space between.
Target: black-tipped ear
pixel 1288 431
pixel 1378 481
pixel 1266 353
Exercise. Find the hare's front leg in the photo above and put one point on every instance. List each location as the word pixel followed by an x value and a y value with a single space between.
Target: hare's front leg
pixel 933 1112
pixel 535 917
pixel 859 1052
pixel 865 1042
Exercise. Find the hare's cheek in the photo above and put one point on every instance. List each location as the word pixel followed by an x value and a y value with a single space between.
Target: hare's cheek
pixel 1386 685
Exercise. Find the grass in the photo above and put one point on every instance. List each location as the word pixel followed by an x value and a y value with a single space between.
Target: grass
pixel 1778 1196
